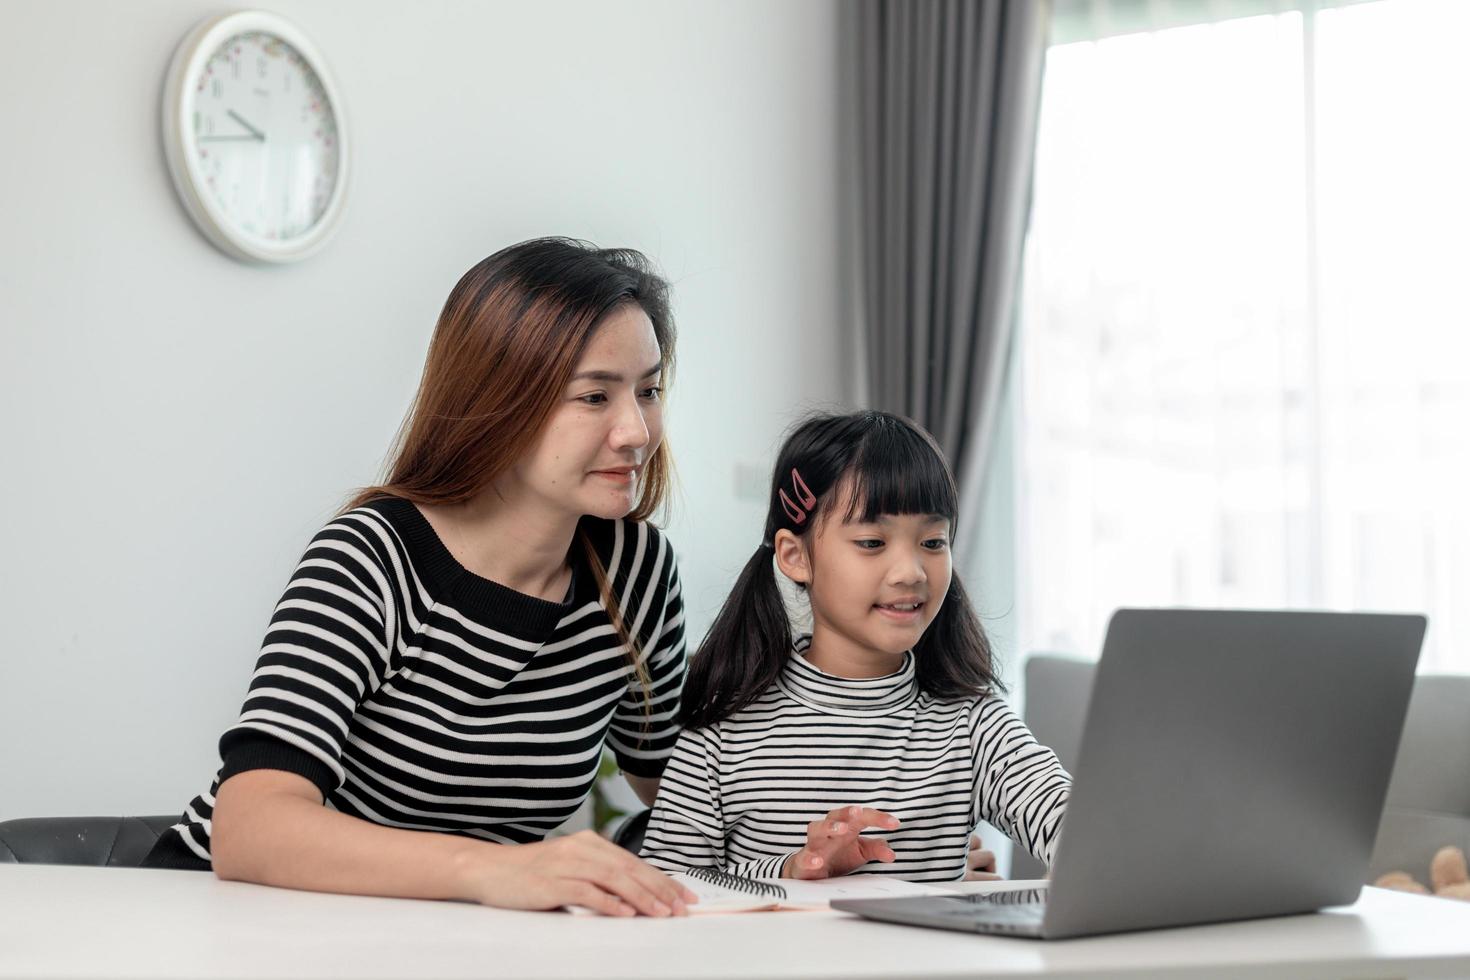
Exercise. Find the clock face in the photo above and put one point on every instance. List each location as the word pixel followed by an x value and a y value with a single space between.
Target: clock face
pixel 265 137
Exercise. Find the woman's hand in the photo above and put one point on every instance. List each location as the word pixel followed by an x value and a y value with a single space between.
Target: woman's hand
pixel 980 863
pixel 580 869
pixel 834 846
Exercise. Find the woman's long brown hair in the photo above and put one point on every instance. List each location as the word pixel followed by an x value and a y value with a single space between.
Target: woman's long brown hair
pixel 506 346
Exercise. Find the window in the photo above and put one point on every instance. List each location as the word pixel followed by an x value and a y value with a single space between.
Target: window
pixel 1244 339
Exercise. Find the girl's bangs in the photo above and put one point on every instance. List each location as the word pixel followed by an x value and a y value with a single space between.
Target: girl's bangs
pixel 897 470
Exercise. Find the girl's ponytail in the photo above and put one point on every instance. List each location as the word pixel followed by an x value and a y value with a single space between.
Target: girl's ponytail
pixel 743 652
pixel 953 659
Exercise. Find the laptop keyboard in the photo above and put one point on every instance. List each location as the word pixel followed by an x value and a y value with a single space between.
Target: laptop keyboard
pixel 1017 912
pixel 1019 896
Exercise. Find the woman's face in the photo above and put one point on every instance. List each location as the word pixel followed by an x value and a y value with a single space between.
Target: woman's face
pixel 590 456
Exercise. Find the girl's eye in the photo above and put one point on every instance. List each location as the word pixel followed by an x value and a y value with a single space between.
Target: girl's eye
pixel 652 394
pixel 937 544
pixel 596 398
pixel 869 544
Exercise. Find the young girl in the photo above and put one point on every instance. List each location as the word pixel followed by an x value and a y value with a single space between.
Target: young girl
pixel 887 717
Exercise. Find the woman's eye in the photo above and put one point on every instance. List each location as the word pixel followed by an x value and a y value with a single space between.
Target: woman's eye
pixel 869 544
pixel 652 394
pixel 596 398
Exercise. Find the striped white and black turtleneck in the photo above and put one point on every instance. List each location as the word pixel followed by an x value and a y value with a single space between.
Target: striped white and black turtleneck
pixel 417 694
pixel 739 794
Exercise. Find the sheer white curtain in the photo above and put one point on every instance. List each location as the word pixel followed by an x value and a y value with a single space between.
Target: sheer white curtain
pixel 1244 330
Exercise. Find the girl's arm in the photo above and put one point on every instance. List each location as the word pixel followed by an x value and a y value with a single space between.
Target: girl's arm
pixel 687 826
pixel 1020 787
pixel 270 827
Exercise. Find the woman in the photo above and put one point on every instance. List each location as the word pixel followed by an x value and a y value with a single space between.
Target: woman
pixel 454 650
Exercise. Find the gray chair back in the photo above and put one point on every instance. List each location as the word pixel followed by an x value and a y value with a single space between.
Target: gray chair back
pixel 1057 689
pixel 1429 795
pixel 1428 803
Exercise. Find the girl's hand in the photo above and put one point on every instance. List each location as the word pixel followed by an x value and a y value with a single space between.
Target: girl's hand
pixel 980 863
pixel 580 869
pixel 834 846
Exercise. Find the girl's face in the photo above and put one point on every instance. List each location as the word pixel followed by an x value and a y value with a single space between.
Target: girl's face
pixel 877 585
pixel 590 457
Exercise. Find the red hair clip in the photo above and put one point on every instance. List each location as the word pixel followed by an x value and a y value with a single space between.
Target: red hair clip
pixel 805 499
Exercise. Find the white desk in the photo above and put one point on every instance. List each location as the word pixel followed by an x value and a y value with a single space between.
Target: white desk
pixel 113 922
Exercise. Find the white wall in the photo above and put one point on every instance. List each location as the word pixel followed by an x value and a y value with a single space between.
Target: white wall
pixel 175 425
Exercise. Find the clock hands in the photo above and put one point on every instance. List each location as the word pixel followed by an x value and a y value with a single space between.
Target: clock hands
pixel 241 120
pixel 256 136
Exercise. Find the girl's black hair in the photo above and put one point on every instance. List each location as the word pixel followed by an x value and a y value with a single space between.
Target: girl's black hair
pixel 892 466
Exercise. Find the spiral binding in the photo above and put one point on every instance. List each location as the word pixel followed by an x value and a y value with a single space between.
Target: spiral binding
pixel 736 883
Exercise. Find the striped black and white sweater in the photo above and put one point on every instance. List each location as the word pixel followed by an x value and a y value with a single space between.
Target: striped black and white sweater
pixel 738 795
pixel 417 694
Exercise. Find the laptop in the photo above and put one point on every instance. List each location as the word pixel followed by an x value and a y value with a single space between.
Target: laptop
pixel 1233 765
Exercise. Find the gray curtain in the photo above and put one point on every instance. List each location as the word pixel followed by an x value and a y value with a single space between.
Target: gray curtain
pixel 946 95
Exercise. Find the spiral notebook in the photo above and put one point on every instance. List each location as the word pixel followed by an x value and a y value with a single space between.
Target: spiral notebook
pixel 720 891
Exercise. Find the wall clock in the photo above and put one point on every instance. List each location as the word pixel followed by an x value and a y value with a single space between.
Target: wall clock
pixel 255 137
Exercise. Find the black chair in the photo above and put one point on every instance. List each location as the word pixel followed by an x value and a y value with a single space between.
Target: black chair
pixel 114 842
pixel 123 842
pixel 629 833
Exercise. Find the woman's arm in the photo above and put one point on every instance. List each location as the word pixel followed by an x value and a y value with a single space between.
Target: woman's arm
pixel 646 787
pixel 270 827
pixel 645 728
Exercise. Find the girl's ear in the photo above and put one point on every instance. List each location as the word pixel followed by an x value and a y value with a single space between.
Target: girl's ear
pixel 791 557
